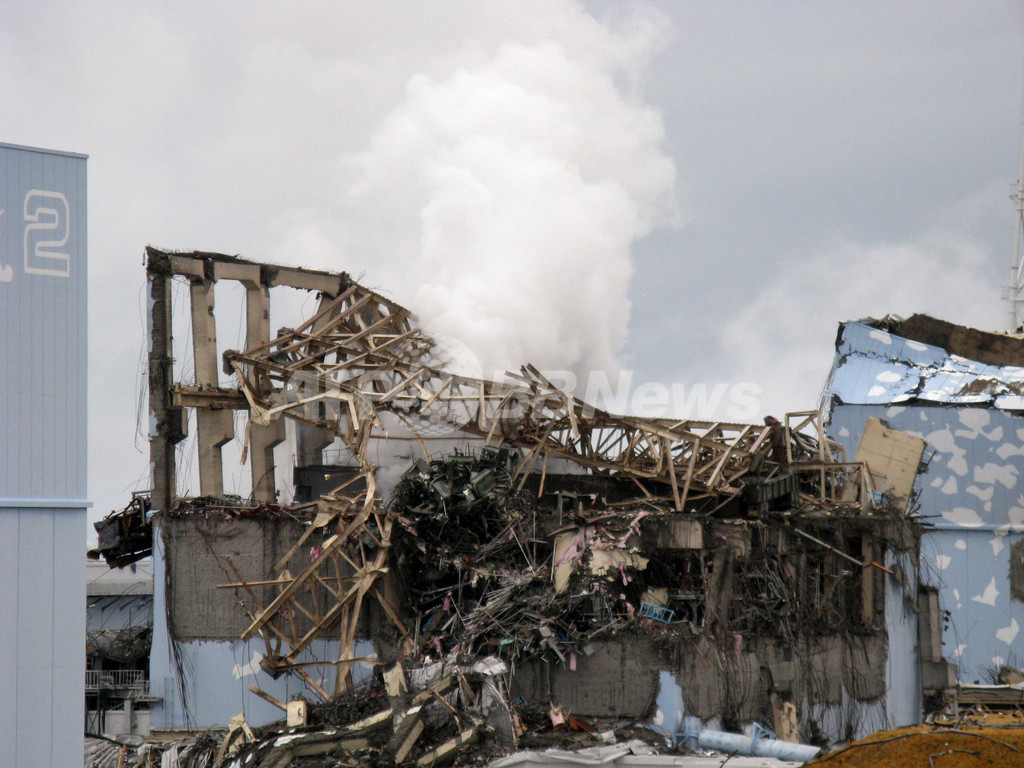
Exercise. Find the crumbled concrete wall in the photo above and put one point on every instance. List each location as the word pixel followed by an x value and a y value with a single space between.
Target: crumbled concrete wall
pixel 197 549
pixel 620 679
pixel 717 682
pixel 818 671
pixel 1017 570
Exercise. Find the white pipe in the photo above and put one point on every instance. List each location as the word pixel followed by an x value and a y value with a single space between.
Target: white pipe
pixel 738 744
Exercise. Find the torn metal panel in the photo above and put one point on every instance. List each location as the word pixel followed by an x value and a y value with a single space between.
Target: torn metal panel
pixel 875 367
pixel 567 550
pixel 994 348
pixel 893 459
pixel 605 561
pixel 124 536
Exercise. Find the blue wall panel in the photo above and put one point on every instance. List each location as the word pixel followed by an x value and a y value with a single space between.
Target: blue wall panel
pixel 903 692
pixel 9 524
pixel 973 505
pixel 42 324
pixel 42 454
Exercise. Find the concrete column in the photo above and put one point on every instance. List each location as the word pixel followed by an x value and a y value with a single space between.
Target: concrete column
pixel 215 427
pixel 310 444
pixel 262 440
pixel 167 424
pixel 867 579
pixel 929 624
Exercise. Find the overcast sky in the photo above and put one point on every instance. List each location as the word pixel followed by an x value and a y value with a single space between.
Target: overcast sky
pixel 694 193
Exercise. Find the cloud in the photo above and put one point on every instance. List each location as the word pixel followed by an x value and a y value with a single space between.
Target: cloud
pixel 785 337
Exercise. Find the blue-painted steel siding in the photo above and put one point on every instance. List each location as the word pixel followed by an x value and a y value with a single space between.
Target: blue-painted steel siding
pixel 42 326
pixel 42 455
pixel 972 501
pixel 903 691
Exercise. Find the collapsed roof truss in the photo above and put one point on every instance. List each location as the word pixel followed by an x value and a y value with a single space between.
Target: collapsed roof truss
pixel 360 362
pixel 360 356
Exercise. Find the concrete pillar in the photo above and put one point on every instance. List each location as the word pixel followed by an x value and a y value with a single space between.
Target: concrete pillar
pixel 867 579
pixel 929 624
pixel 214 427
pixel 310 444
pixel 262 440
pixel 167 424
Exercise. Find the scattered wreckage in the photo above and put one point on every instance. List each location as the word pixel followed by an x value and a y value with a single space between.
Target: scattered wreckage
pixel 741 553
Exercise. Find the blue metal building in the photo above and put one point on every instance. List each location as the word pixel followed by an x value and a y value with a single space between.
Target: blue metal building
pixel 961 391
pixel 43 346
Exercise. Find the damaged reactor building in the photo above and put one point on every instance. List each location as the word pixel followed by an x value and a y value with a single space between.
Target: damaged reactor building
pixel 961 390
pixel 558 558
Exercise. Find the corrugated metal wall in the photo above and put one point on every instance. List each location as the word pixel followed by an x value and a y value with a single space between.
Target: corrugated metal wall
pixel 971 499
pixel 42 455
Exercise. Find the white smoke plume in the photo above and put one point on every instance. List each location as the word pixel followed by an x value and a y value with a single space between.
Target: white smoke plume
pixel 500 198
pixel 488 164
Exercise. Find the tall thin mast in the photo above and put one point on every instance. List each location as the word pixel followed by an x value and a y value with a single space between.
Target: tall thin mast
pixel 1013 290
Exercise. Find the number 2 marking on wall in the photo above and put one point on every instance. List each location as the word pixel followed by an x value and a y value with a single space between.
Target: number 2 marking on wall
pixel 47 216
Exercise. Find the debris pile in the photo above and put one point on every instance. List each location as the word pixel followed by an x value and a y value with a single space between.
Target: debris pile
pixel 476 571
pixel 420 717
pixel 462 506
pixel 390 722
pixel 234 506
pixel 467 565
pixel 192 751
pixel 124 536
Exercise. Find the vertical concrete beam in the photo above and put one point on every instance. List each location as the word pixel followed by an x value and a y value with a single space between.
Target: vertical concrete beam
pixel 310 444
pixel 167 425
pixel 929 624
pixel 867 578
pixel 215 427
pixel 262 440
pixel 257 314
pixel 204 333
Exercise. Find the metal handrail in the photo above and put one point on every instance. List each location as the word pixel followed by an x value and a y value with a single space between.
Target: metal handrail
pixel 133 679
